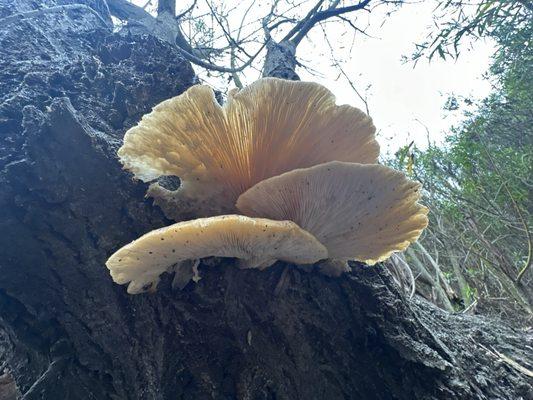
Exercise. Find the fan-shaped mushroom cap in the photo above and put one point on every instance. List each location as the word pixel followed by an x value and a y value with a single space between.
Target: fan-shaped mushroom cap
pixel 257 242
pixel 361 212
pixel 268 128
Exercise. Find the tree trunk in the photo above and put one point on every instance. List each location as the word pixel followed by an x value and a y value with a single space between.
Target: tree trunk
pixel 69 88
pixel 280 60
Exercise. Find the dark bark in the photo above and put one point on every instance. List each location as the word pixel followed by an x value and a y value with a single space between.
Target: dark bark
pixel 69 88
pixel 166 6
pixel 280 60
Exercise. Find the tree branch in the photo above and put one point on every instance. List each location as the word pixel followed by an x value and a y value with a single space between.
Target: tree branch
pixel 302 22
pixel 303 28
pixel 187 11
pixel 125 10
pixel 198 61
pixel 168 6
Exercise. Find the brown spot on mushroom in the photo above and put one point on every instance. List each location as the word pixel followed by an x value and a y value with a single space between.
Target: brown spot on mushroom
pixel 389 223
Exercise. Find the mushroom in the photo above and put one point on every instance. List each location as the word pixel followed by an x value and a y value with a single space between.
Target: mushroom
pixel 359 212
pixel 256 242
pixel 268 128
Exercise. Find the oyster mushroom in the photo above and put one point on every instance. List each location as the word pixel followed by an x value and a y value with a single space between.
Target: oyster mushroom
pixel 268 128
pixel 359 212
pixel 256 242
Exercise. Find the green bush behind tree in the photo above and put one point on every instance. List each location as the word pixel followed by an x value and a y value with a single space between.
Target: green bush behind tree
pixel 478 184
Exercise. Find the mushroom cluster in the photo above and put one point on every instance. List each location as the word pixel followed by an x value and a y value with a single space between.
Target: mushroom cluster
pixel 277 149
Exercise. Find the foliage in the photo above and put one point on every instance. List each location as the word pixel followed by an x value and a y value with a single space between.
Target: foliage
pixel 457 20
pixel 478 185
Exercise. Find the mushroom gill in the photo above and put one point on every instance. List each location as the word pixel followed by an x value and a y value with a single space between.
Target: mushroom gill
pixel 359 212
pixel 268 128
pixel 256 242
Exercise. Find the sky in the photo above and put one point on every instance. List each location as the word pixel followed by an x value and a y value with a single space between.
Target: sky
pixel 405 101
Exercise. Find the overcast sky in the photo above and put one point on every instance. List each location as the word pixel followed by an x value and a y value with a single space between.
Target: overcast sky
pixel 403 98
pixel 405 101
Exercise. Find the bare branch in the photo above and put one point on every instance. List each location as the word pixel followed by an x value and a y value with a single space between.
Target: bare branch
pixel 355 28
pixel 187 11
pixel 341 70
pixel 311 20
pixel 303 21
pixel 149 2
pixel 125 10
pixel 233 43
pixel 198 61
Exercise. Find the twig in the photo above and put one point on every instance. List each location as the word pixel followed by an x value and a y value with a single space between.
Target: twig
pixel 470 307
pixel 509 361
pixel 316 17
pixel 126 10
pixel 341 70
pixel 187 11
pixel 213 67
pixel 147 4
pixel 412 280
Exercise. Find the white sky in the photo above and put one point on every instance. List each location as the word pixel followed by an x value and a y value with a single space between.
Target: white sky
pixel 403 100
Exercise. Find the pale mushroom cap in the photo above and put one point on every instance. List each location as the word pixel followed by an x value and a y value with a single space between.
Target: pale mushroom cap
pixel 360 212
pixel 257 242
pixel 268 128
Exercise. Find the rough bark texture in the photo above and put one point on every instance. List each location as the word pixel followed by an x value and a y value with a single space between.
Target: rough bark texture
pixel 69 88
pixel 280 60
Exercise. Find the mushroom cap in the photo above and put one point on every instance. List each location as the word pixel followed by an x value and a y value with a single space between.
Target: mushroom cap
pixel 268 128
pixel 257 242
pixel 360 212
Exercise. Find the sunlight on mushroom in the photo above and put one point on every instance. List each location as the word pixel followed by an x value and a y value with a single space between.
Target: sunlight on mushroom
pixel 268 128
pixel 359 212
